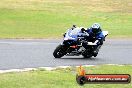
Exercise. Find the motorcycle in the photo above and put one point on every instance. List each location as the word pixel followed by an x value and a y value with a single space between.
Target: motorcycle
pixel 72 44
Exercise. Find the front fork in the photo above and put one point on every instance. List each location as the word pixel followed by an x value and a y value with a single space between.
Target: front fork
pixel 68 49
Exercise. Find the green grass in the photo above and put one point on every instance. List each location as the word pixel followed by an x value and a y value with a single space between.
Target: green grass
pixel 49 19
pixel 61 78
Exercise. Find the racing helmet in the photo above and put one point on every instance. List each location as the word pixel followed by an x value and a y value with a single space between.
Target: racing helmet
pixel 96 28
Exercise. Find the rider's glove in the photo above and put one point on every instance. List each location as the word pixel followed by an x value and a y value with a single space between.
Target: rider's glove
pixel 100 42
pixel 86 34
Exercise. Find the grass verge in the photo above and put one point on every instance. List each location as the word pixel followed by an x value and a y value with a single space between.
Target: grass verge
pixel 61 78
pixel 49 19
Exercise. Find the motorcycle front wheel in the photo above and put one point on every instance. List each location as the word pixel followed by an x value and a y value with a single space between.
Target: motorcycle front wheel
pixel 59 51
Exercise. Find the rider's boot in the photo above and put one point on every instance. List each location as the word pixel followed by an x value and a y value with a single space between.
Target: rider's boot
pixel 95 53
pixel 96 50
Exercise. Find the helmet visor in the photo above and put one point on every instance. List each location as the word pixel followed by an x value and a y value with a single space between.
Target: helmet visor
pixel 95 30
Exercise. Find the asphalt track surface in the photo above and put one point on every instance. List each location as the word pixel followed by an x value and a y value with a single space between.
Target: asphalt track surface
pixel 18 54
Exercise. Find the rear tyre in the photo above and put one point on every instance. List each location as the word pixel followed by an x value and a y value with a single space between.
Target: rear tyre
pixel 87 54
pixel 59 51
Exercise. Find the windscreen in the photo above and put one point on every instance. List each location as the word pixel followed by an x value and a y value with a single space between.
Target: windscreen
pixel 72 34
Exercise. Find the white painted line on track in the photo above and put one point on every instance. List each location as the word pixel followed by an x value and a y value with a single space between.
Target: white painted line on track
pixel 27 43
pixel 48 68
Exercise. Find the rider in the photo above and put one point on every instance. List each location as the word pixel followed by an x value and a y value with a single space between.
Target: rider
pixel 95 36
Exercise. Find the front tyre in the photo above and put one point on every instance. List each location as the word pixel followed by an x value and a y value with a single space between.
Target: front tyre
pixel 59 51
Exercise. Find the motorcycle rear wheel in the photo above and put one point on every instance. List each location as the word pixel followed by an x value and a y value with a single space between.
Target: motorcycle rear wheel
pixel 87 54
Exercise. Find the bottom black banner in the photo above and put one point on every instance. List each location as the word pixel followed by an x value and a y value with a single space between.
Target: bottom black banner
pixel 103 78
